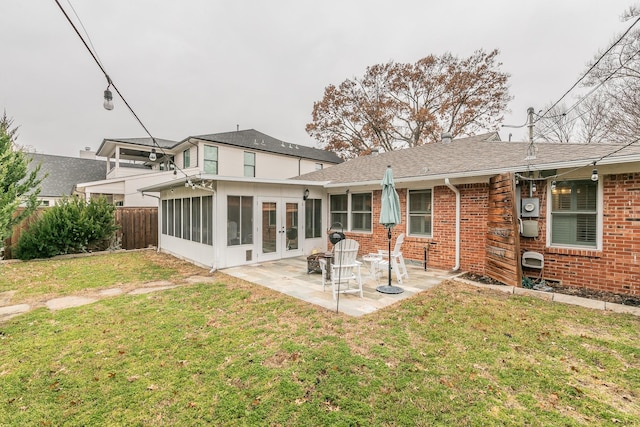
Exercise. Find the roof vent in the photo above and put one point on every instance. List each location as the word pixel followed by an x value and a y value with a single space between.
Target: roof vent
pixel 446 137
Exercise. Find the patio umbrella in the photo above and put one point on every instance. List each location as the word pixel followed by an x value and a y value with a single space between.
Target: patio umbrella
pixel 389 218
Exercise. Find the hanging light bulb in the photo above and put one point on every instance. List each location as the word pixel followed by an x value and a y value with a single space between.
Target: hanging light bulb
pixel 108 99
pixel 152 155
pixel 553 185
pixel 533 187
pixel 594 173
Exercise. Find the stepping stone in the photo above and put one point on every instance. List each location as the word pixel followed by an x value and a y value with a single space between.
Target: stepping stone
pixel 141 291
pixel 13 310
pixel 110 292
pixel 68 302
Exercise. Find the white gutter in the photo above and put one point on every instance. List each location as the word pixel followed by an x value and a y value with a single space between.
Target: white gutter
pixel 453 188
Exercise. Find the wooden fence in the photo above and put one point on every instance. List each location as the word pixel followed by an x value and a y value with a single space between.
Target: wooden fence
pixel 137 228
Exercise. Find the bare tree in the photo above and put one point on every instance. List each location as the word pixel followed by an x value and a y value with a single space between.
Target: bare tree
pixel 557 125
pixel 394 106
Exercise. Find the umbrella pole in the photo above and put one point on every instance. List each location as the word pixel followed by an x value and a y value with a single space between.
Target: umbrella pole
pixel 389 289
pixel 389 272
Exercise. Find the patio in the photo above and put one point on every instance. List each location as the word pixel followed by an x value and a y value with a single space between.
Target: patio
pixel 289 276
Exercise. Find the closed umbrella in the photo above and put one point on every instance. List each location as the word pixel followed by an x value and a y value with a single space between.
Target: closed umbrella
pixel 389 218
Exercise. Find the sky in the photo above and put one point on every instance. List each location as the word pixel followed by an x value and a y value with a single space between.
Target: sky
pixel 195 67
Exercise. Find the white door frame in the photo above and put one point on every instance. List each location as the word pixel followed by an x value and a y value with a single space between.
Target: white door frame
pixel 274 232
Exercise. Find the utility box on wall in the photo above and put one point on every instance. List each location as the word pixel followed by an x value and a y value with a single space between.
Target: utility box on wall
pixel 530 207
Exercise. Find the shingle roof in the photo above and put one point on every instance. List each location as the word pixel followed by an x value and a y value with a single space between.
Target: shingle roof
pixel 473 156
pixel 65 172
pixel 252 139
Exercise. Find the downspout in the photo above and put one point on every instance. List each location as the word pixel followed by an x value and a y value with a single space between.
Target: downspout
pixel 453 188
pixel 214 210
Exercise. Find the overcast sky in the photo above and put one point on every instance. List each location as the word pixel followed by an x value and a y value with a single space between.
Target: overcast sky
pixel 194 67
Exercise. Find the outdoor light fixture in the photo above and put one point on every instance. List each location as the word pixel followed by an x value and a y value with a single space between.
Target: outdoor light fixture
pixel 108 100
pixel 533 187
pixel 594 173
pixel 553 185
pixel 152 155
pixel 306 194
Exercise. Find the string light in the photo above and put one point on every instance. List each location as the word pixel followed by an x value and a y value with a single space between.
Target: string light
pixel 553 185
pixel 594 173
pixel 152 155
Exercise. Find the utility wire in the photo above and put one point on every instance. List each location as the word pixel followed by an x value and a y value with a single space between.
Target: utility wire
pixel 111 83
pixel 592 67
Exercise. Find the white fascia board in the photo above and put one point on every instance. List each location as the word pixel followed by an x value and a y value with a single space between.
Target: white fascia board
pixel 208 177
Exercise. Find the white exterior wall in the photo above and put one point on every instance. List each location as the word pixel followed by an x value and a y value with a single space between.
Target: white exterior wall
pixel 220 255
pixel 268 165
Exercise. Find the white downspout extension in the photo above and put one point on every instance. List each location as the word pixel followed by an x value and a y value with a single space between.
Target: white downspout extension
pixel 453 188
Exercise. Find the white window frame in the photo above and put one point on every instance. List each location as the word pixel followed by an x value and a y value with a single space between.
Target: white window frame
pixel 599 220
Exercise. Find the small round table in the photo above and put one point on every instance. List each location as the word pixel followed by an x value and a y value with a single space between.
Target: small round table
pixel 373 261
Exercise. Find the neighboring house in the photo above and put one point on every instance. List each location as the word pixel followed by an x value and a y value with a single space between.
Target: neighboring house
pixel 473 204
pixel 244 153
pixel 61 174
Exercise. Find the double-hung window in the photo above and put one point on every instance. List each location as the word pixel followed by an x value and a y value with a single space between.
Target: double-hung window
pixel 211 159
pixel 420 212
pixel 361 212
pixel 249 164
pixel 339 211
pixel 574 214
pixel 186 158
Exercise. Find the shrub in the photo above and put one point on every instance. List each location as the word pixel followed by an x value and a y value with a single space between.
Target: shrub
pixel 71 226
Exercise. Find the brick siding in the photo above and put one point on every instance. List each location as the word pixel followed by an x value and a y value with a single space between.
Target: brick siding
pixel 616 268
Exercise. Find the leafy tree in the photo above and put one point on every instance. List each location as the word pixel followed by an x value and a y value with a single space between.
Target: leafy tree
pixel 395 105
pixel 18 186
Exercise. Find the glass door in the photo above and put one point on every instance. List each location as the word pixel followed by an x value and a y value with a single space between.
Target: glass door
pixel 280 233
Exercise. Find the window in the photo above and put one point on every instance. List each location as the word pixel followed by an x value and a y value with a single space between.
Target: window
pixel 239 220
pixel 319 166
pixel 338 207
pixel 211 159
pixel 313 218
pixel 186 158
pixel 207 220
pixel 165 217
pixel 186 219
pixel 195 219
pixel 178 217
pixel 249 164
pixel 420 212
pixel 574 213
pixel 361 212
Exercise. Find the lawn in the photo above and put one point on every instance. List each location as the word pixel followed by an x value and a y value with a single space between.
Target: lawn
pixel 233 353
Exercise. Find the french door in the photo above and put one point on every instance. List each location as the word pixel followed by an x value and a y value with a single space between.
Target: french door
pixel 280 228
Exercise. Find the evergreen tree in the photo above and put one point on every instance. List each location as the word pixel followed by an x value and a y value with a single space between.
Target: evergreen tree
pixel 18 186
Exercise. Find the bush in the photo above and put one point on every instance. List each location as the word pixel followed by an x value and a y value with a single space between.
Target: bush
pixel 71 226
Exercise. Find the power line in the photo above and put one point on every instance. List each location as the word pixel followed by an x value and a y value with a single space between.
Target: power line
pixel 110 82
pixel 592 67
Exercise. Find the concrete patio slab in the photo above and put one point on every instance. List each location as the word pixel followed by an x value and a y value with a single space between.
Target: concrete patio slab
pixel 289 276
pixel 13 310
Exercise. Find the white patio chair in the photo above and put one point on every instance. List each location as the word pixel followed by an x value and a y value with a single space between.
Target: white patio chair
pixel 396 259
pixel 343 269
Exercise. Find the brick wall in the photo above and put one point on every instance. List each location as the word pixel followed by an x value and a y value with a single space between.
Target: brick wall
pixel 614 269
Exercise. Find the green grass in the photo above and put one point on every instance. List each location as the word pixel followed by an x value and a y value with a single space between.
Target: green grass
pixel 231 353
pixel 66 276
